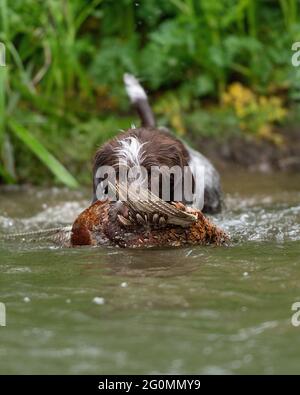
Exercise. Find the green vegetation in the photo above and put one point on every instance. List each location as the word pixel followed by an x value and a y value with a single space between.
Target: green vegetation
pixel 61 92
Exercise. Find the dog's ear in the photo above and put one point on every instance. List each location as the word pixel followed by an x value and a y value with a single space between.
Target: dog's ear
pixel 104 156
pixel 171 152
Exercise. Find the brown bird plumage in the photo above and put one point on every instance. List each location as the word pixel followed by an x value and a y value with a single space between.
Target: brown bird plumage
pixel 137 223
pixel 134 223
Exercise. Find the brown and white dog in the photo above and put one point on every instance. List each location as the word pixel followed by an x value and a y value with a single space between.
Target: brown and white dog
pixel 150 146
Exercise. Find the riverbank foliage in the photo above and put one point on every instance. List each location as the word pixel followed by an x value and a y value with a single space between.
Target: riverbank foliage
pixel 210 67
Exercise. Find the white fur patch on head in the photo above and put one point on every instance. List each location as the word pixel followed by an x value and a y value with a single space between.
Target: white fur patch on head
pixel 130 152
pixel 134 89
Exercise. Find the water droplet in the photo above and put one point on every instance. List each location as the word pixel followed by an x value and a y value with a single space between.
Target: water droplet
pixel 98 300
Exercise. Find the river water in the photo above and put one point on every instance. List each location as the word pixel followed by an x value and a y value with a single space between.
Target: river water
pixel 192 310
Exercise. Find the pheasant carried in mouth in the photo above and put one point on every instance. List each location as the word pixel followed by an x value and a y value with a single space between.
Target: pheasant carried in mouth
pixel 143 220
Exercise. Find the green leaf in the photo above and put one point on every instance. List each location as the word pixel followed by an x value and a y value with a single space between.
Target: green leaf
pixel 43 154
pixel 6 176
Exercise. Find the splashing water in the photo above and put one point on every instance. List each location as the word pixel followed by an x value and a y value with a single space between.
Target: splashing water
pixel 191 310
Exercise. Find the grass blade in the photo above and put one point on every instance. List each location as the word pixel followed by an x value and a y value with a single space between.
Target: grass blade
pixel 43 154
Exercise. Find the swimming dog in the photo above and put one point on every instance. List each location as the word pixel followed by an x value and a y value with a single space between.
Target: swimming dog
pixel 150 146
